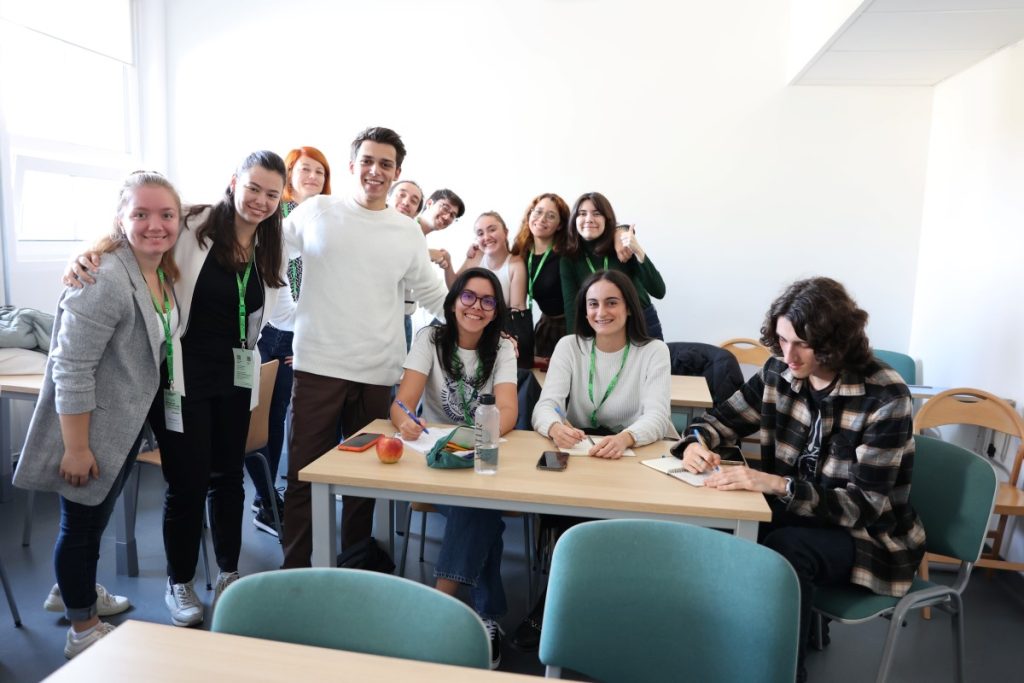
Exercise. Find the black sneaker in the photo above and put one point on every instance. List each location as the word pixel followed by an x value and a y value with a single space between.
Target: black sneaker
pixel 526 637
pixel 495 632
pixel 264 521
pixel 257 502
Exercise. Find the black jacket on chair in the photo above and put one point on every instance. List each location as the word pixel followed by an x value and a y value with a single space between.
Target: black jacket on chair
pixel 716 365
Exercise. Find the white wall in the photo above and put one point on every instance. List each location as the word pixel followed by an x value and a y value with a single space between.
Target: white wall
pixel 678 112
pixel 968 322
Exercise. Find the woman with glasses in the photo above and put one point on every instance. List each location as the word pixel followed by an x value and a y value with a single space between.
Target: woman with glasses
pixel 449 367
pixel 596 244
pixel 541 241
pixel 307 175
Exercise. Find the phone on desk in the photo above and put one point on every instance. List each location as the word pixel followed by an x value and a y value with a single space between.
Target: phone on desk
pixel 359 442
pixel 556 461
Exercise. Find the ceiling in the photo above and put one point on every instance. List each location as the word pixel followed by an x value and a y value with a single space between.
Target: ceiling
pixel 913 42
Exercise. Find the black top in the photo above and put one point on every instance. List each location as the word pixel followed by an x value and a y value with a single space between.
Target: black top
pixel 547 290
pixel 213 329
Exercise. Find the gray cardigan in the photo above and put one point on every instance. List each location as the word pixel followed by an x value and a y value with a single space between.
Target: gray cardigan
pixel 105 355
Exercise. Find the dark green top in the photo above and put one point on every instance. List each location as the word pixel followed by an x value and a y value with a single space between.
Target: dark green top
pixel 574 271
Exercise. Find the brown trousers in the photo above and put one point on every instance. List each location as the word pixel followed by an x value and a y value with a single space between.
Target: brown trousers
pixel 320 407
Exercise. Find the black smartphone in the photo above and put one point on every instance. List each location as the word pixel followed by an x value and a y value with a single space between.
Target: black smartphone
pixel 359 442
pixel 555 461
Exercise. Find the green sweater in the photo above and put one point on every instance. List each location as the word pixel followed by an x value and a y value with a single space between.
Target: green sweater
pixel 574 271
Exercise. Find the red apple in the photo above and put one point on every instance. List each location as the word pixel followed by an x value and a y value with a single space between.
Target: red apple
pixel 390 449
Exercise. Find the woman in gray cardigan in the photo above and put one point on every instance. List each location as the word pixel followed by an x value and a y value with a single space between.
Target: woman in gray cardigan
pixel 102 375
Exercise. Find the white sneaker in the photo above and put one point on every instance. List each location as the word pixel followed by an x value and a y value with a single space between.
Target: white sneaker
pixel 181 599
pixel 224 579
pixel 75 645
pixel 107 604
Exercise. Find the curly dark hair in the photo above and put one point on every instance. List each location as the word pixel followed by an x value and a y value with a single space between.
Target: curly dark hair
pixel 636 325
pixel 827 318
pixel 446 337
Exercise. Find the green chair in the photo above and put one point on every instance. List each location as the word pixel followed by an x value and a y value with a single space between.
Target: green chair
pixel 643 600
pixel 351 609
pixel 900 362
pixel 954 492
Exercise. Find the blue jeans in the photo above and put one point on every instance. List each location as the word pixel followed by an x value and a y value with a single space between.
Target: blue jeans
pixel 471 554
pixel 78 546
pixel 653 323
pixel 408 333
pixel 274 344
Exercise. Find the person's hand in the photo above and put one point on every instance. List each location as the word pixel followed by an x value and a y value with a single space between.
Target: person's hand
pixel 626 243
pixel 565 436
pixel 288 360
pixel 410 429
pixel 622 252
pixel 77 466
pixel 612 447
pixel 441 257
pixel 79 271
pixel 515 342
pixel 742 478
pixel 698 459
pixel 474 251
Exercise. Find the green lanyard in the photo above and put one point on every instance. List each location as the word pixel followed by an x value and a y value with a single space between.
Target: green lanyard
pixel 611 385
pixel 531 277
pixel 592 265
pixel 284 210
pixel 293 278
pixel 243 282
pixel 459 368
pixel 165 318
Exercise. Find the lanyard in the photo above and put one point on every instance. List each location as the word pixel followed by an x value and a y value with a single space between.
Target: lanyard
pixel 592 265
pixel 458 367
pixel 293 278
pixel 611 385
pixel 243 282
pixel 531 277
pixel 165 318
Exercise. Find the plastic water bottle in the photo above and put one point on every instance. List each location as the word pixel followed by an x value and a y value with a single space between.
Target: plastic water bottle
pixel 487 430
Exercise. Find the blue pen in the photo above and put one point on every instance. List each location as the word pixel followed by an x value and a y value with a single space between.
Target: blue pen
pixel 409 413
pixel 700 440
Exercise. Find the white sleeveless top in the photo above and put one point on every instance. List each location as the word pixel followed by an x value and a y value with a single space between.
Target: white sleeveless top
pixel 504 277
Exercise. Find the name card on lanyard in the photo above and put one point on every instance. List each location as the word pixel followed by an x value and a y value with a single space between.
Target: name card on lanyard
pixel 172 399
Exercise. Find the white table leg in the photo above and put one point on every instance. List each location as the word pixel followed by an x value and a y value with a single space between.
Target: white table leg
pixel 325 526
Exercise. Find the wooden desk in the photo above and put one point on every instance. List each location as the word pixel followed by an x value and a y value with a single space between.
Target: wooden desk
pixel 158 653
pixel 18 388
pixel 590 487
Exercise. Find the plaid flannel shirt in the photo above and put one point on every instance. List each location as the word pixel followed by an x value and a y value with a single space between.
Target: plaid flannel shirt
pixel 864 473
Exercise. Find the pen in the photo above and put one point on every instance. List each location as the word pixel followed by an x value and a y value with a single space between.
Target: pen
pixel 409 413
pixel 700 440
pixel 561 416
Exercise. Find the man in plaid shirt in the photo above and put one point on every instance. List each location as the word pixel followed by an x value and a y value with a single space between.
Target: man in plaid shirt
pixel 836 448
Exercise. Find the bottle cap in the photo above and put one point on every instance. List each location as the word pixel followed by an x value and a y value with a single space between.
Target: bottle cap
pixel 487 399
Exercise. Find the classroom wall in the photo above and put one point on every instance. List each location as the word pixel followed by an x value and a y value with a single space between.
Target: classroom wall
pixel 968 321
pixel 678 112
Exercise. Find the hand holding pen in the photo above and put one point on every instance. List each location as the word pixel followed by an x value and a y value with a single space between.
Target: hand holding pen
pixel 698 457
pixel 564 434
pixel 410 432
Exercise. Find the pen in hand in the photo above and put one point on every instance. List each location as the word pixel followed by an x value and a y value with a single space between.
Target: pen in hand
pixel 410 414
pixel 700 440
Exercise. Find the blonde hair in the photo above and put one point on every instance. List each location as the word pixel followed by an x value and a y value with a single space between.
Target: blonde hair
pixel 117 236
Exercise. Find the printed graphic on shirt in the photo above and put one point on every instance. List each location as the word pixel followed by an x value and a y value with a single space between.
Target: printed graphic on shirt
pixel 451 402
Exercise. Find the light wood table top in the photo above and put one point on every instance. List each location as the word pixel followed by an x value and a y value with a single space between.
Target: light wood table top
pixel 686 391
pixel 21 384
pixel 589 487
pixel 158 653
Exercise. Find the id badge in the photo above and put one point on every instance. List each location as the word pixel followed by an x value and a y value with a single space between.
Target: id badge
pixel 246 365
pixel 172 411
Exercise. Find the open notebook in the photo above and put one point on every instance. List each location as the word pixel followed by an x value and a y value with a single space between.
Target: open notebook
pixel 673 467
pixel 583 447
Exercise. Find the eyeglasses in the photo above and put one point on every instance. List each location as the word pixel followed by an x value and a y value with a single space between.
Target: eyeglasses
pixel 446 209
pixel 546 216
pixel 469 299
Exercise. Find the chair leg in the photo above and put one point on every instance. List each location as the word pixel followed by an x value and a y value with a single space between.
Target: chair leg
pixel 10 596
pixel 125 547
pixel 405 545
pixel 926 613
pixel 528 556
pixel 202 546
pixel 817 631
pixel 552 672
pixel 423 533
pixel 958 634
pixel 26 530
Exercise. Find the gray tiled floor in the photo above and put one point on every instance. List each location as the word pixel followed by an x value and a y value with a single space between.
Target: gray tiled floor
pixel 995 606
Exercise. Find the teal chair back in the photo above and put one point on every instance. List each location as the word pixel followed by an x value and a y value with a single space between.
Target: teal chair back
pixel 642 600
pixel 900 362
pixel 351 609
pixel 953 492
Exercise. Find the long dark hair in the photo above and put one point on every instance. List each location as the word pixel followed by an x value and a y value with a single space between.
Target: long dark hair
pixel 219 227
pixel 605 244
pixel 636 326
pixel 827 318
pixel 446 337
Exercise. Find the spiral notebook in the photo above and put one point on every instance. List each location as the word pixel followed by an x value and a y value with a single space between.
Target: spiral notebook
pixel 673 467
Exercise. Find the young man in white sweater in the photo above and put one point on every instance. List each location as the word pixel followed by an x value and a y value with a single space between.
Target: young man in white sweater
pixel 358 258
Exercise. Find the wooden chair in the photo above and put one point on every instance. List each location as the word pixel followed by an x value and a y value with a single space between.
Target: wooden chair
pixel 747 351
pixel 981 409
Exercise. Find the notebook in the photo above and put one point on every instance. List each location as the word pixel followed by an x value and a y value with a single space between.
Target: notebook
pixel 583 447
pixel 673 467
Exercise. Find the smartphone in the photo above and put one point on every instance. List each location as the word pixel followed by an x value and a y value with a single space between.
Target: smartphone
pixel 359 442
pixel 555 461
